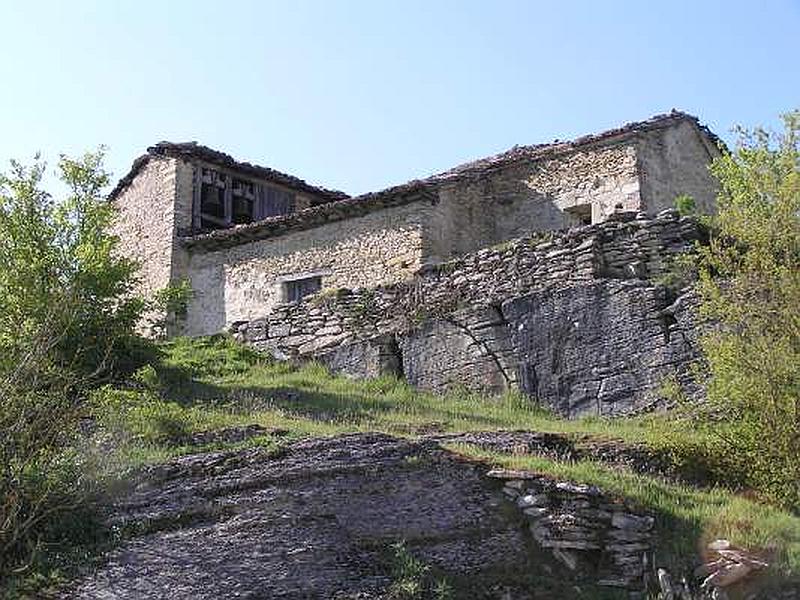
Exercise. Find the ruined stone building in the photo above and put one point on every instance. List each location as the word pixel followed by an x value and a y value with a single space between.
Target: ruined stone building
pixel 249 238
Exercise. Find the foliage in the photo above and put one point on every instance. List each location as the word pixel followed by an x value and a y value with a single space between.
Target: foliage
pixel 45 478
pixel 750 291
pixel 66 313
pixel 60 272
pixel 685 205
pixel 679 272
pixel 169 307
pixel 413 578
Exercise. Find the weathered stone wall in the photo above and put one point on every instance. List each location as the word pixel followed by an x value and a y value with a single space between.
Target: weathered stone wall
pixel 674 161
pixel 242 282
pixel 571 318
pixel 155 211
pixel 599 538
pixel 529 196
pixel 146 224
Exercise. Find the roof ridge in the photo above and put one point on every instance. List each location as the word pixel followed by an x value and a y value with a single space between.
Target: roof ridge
pixel 557 147
pixel 196 150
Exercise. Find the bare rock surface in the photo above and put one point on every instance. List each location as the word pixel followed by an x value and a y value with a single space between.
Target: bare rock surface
pixel 316 521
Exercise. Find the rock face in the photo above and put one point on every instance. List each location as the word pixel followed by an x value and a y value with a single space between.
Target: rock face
pixel 316 522
pixel 575 321
pixel 602 348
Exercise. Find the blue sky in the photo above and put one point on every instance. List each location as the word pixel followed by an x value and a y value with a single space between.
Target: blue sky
pixel 362 95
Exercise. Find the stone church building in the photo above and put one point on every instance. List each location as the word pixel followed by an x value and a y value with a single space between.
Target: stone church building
pixel 249 238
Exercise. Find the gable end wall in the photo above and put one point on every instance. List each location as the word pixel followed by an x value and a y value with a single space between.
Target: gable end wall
pixel 145 223
pixel 674 161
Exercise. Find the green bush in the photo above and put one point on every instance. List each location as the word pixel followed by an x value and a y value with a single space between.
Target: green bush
pixel 67 316
pixel 750 294
pixel 685 205
pixel 60 269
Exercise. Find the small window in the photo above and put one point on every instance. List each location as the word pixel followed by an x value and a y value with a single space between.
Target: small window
pixel 580 214
pixel 212 200
pixel 297 289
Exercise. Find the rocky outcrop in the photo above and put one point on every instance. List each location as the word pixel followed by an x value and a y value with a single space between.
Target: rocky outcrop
pixel 601 348
pixel 574 320
pixel 316 521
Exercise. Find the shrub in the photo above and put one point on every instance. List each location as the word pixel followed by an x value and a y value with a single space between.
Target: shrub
pixel 60 270
pixel 685 205
pixel 67 316
pixel 40 474
pixel 750 294
pixel 140 417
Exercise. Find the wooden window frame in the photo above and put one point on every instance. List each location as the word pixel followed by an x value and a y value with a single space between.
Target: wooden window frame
pixel 267 200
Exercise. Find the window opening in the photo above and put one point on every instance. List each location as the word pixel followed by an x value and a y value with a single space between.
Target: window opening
pixel 297 289
pixel 580 214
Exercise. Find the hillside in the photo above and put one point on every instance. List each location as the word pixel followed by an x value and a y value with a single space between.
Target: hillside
pixel 242 476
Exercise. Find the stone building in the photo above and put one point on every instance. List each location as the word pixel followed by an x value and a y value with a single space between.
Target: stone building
pixel 249 238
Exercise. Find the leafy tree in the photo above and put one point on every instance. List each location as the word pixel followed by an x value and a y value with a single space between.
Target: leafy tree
pixel 59 270
pixel 750 294
pixel 67 316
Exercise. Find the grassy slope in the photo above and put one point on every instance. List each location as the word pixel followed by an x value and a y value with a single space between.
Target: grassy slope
pixel 214 383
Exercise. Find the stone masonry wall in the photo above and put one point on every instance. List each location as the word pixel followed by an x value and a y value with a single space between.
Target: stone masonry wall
pixel 674 161
pixel 520 198
pixel 571 318
pixel 600 538
pixel 145 224
pixel 243 282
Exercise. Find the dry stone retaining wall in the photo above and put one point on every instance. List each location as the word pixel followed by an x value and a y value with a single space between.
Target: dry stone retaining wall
pixel 571 318
pixel 597 538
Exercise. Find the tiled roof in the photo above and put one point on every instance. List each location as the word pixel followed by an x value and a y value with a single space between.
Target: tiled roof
pixel 544 151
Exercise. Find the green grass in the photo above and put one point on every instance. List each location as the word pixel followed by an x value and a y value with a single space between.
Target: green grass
pixel 687 518
pixel 214 383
